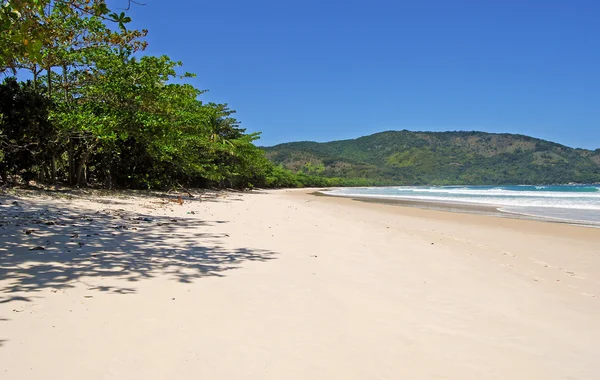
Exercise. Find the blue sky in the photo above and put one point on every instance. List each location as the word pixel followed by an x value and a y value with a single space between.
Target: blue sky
pixel 328 70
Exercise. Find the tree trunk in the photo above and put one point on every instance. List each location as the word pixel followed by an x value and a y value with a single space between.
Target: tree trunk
pixel 81 167
pixel 65 83
pixel 47 174
pixel 108 179
pixel 35 77
pixel 71 164
pixel 4 174
pixel 41 174
pixel 53 170
pixel 49 82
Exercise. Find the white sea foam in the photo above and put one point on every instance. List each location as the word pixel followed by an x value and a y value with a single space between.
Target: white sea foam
pixel 568 203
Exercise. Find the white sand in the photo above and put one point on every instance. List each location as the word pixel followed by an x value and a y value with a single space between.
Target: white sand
pixel 291 286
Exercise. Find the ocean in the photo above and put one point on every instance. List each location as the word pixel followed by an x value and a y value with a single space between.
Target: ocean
pixel 568 203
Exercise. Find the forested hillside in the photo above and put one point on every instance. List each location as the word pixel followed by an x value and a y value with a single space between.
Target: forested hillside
pixel 442 158
pixel 81 104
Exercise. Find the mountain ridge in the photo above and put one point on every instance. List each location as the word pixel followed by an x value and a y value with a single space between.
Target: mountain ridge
pixel 441 158
pixel 433 132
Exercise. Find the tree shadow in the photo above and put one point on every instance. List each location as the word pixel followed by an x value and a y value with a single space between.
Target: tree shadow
pixel 116 196
pixel 56 247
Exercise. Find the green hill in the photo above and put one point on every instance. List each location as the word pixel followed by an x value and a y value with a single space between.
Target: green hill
pixel 441 158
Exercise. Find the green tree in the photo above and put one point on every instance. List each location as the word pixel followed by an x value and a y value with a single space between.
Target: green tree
pixel 28 26
pixel 27 138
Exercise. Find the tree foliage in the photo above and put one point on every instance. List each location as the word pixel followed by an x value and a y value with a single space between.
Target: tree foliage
pixel 95 111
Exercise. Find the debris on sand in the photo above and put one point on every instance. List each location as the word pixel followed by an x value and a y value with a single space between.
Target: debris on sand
pixel 179 200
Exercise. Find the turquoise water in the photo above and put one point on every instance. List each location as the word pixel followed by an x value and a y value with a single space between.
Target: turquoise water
pixel 580 203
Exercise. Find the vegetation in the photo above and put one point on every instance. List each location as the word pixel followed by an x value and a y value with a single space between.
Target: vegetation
pixel 441 158
pixel 80 104
pixel 92 111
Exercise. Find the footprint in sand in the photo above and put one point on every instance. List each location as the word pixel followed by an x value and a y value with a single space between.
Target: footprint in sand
pixel 541 263
pixel 572 274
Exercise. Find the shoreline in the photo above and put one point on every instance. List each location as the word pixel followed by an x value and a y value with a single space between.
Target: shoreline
pixel 467 217
pixel 459 207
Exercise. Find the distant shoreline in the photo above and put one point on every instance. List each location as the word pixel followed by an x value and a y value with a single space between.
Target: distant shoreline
pixel 456 207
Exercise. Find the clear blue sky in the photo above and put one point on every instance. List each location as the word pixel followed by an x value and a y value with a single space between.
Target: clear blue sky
pixel 328 70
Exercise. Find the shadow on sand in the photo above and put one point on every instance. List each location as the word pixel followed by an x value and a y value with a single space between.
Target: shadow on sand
pixel 45 247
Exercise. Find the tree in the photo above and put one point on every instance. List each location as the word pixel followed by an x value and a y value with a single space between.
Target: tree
pixel 95 112
pixel 27 25
pixel 27 138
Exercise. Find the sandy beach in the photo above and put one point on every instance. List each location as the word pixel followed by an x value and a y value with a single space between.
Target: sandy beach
pixel 288 285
